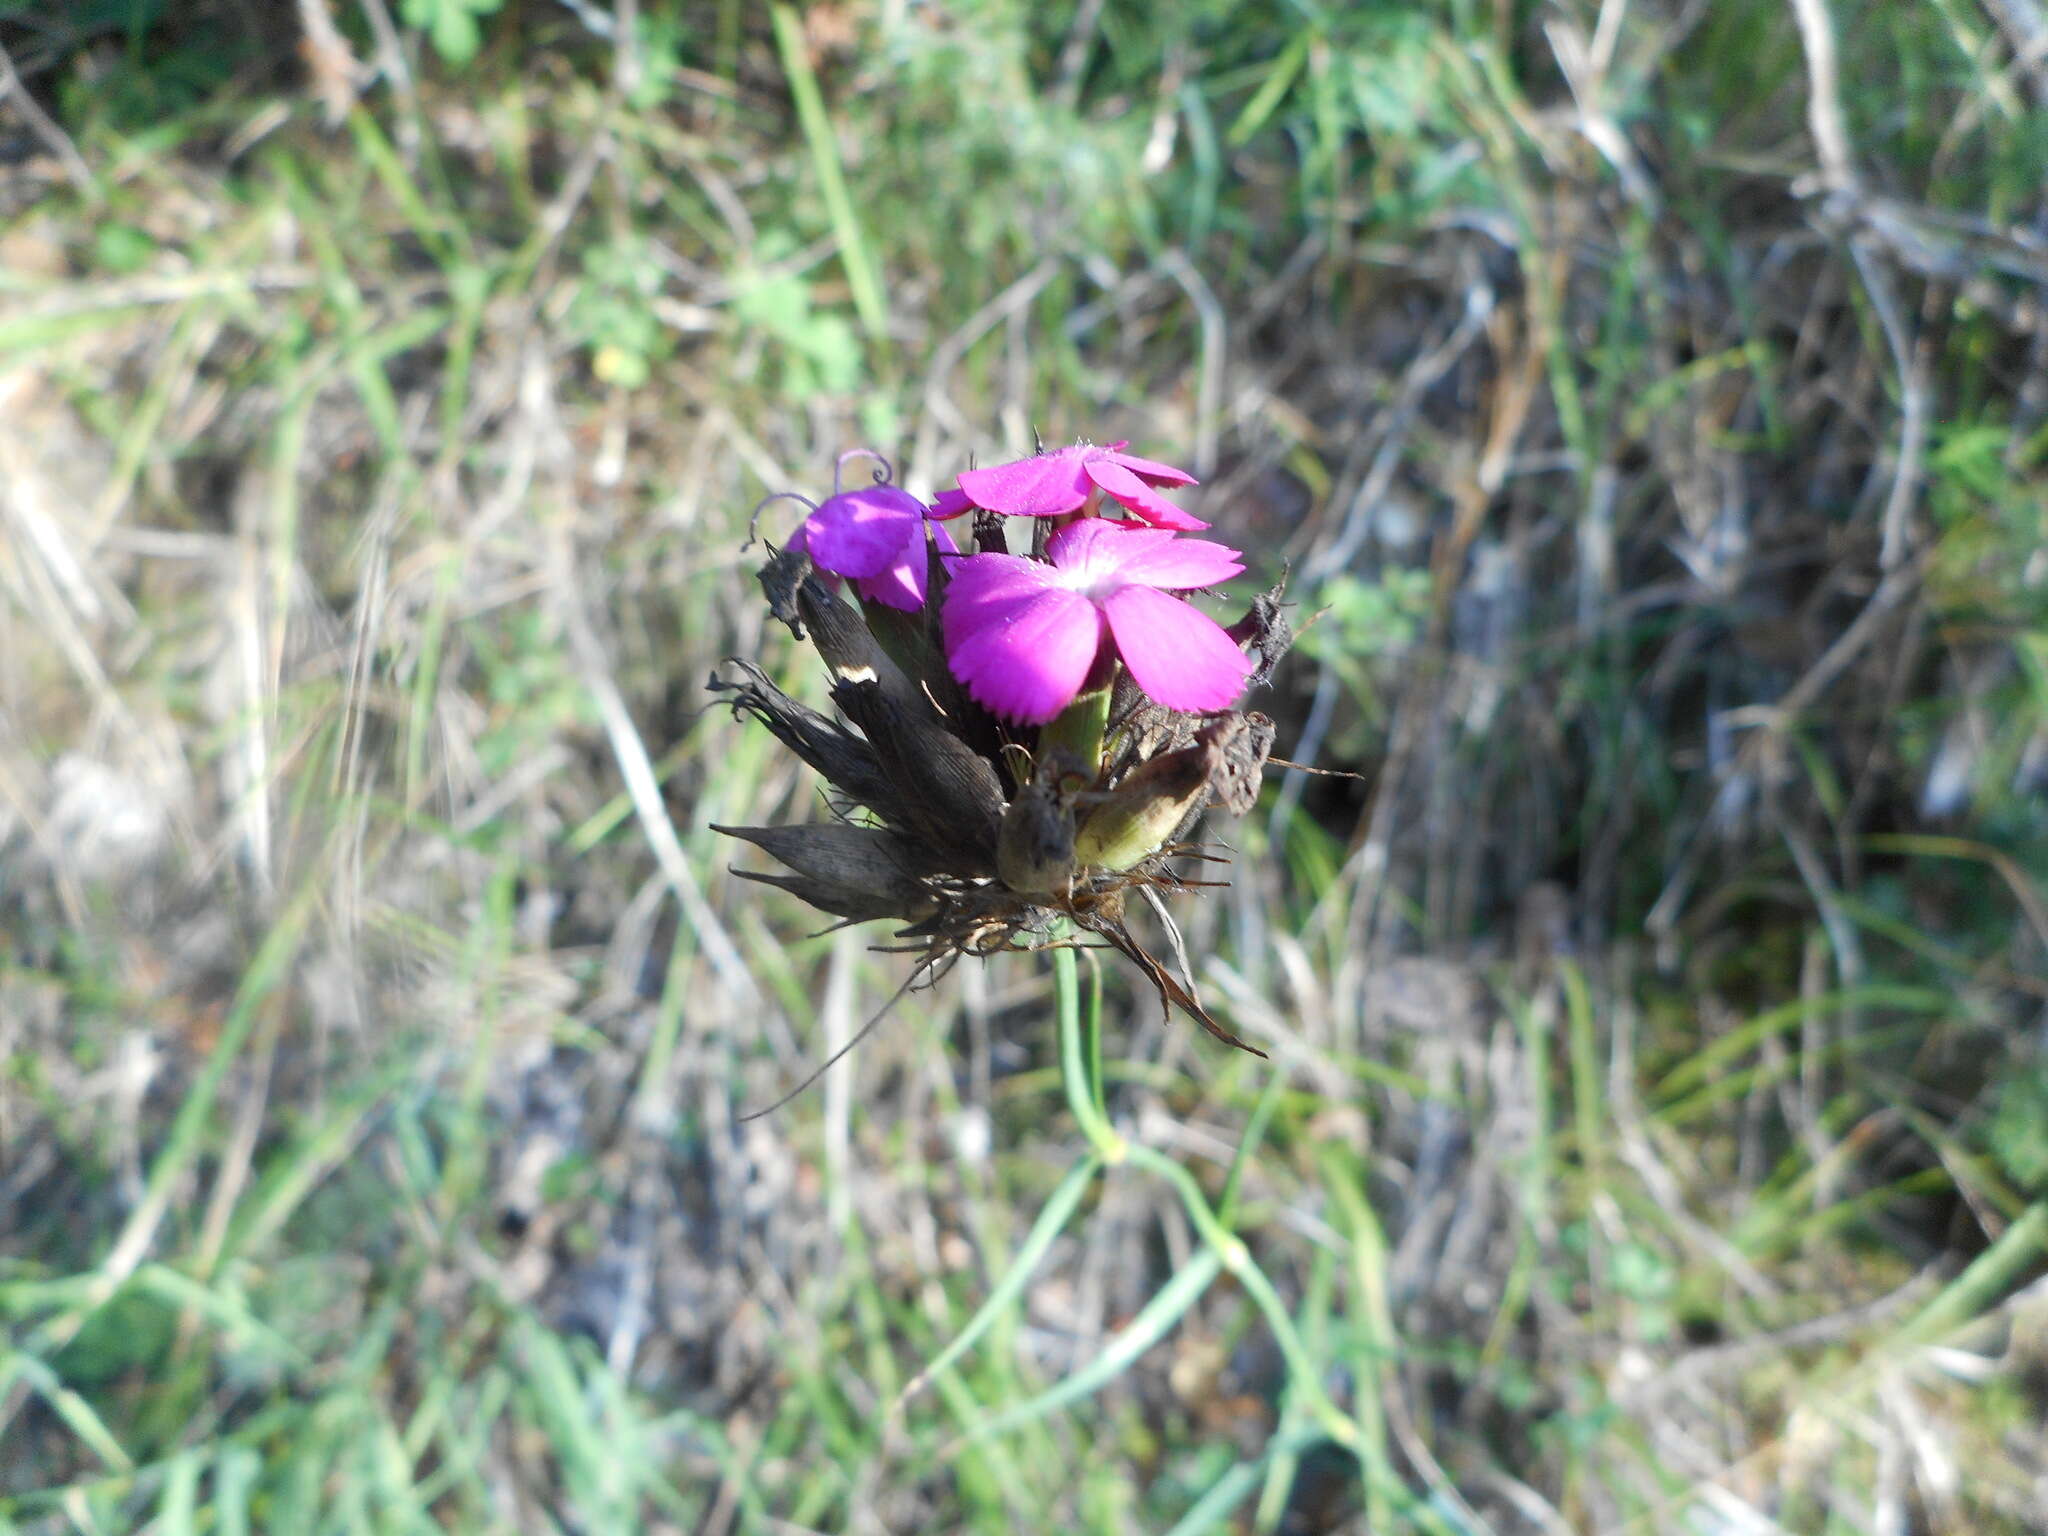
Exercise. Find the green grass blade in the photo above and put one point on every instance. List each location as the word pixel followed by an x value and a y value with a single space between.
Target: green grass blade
pixel 177 1510
pixel 1989 1275
pixel 1248 1145
pixel 75 1412
pixel 1066 1199
pixel 234 1479
pixel 817 127
pixel 1697 1068
pixel 1267 98
pixel 243 1328
pixel 1151 1325
pixel 1214 1507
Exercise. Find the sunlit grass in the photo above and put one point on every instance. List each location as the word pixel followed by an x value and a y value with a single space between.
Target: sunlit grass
pixel 1638 1149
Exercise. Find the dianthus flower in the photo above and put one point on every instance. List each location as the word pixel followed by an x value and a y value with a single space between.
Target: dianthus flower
pixel 1025 635
pixel 1063 480
pixel 977 834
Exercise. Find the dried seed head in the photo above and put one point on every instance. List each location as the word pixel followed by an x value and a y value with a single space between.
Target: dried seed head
pixel 1035 847
pixel 1158 803
pixel 1138 817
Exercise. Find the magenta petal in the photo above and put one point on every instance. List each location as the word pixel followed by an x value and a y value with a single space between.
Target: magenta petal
pixel 1029 664
pixel 1178 655
pixel 1139 497
pixel 1044 485
pixel 983 590
pixel 1179 565
pixel 1095 548
pixel 902 585
pixel 1152 472
pixel 951 502
pixel 864 532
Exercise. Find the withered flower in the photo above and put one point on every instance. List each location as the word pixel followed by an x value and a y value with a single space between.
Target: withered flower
pixel 1010 757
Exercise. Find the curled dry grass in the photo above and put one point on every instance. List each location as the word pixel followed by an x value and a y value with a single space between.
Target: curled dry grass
pixel 1660 426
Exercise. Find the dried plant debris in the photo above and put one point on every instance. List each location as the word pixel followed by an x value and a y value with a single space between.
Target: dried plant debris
pixel 1035 737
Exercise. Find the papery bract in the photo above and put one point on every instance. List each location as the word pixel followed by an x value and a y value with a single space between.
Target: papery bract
pixel 1023 635
pixel 875 537
pixel 1061 480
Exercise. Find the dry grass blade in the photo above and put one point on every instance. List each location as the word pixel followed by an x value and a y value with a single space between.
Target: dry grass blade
pixel 642 783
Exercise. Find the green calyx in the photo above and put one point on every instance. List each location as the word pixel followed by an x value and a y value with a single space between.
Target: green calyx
pixel 1078 730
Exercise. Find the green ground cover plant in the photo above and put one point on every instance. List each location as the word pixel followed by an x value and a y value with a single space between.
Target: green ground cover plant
pixel 1649 404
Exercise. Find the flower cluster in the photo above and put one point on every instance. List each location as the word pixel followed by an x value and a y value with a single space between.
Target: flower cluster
pixel 1032 734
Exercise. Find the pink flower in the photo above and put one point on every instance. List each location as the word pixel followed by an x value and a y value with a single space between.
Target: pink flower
pixel 874 535
pixel 1024 635
pixel 1062 480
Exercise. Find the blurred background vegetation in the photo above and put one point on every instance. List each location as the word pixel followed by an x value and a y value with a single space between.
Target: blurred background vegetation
pixel 1650 402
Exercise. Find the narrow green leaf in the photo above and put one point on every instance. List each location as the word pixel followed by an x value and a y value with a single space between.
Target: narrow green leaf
pixel 1058 1211
pixel 1123 1349
pixel 74 1411
pixel 180 1502
pixel 1272 90
pixel 817 126
pixel 1698 1068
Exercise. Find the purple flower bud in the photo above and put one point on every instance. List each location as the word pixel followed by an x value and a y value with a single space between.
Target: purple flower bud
pixel 875 537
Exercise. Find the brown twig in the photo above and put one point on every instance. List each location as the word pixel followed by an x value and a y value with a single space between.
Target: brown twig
pixel 46 128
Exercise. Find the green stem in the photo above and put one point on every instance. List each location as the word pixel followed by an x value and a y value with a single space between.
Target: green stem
pixel 1081 1057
